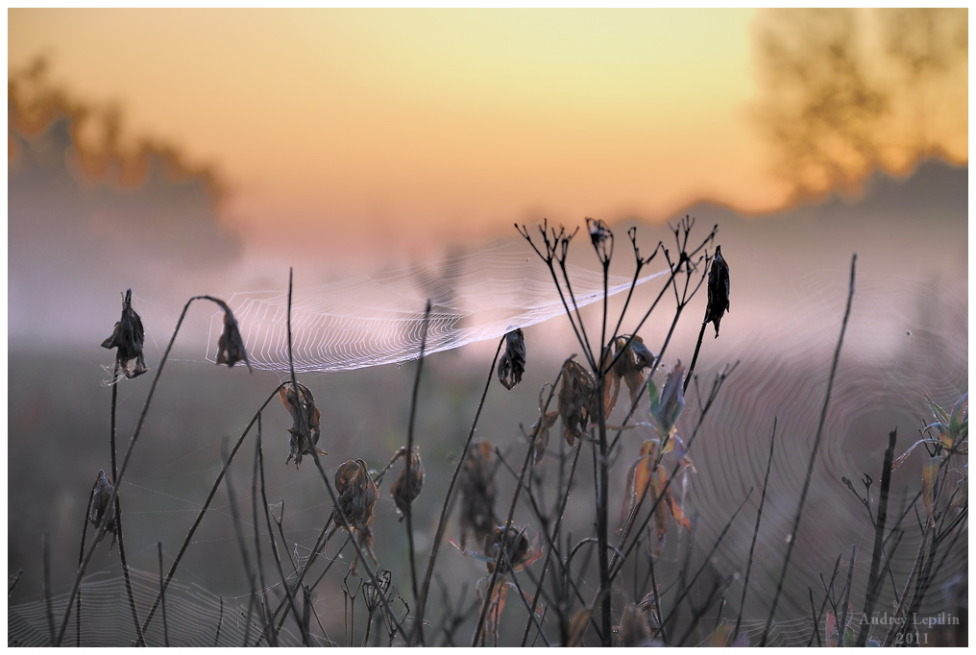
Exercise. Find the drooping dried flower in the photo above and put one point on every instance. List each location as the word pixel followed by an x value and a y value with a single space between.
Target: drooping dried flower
pixel 100 514
pixel 478 493
pixel 628 366
pixel 406 488
pixel 230 345
pixel 539 434
pixel 304 434
pixel 577 396
pixel 718 290
pixel 127 337
pixel 511 366
pixel 356 497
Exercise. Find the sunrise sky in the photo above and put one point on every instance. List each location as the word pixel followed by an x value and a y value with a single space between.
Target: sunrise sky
pixel 346 124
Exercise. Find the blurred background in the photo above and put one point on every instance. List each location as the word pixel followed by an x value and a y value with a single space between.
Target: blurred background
pixel 181 152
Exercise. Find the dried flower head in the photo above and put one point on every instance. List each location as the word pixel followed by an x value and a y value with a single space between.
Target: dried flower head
pixel 304 434
pixel 511 366
pixel 230 345
pixel 406 488
pixel 128 336
pixel 356 497
pixel 99 513
pixel 513 546
pixel 718 290
pixel 478 493
pixel 577 395
pixel 630 357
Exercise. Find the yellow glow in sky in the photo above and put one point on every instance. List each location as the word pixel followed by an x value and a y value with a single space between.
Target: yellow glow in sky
pixel 460 120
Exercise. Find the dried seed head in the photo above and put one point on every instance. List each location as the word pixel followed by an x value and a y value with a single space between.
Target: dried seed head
pixel 718 290
pixel 478 493
pixel 406 488
pixel 577 395
pixel 628 366
pixel 357 494
pixel 513 546
pixel 230 345
pixel 128 336
pixel 304 434
pixel 99 513
pixel 511 366
pixel 599 231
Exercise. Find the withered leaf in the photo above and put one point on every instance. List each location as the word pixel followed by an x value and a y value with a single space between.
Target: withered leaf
pixel 356 498
pixel 577 396
pixel 230 345
pixel 511 366
pixel 127 337
pixel 305 416
pixel 100 515
pixel 718 290
pixel 513 546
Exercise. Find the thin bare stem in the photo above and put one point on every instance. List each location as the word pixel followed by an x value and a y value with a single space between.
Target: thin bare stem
pixel 417 635
pixel 408 510
pixel 755 534
pixel 813 455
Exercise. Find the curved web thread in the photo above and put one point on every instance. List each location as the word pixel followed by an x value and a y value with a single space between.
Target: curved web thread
pixel 372 321
pixel 194 616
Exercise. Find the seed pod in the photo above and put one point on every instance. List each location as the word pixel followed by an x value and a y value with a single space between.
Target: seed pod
pixel 357 494
pixel 127 337
pixel 99 513
pixel 405 489
pixel 511 366
pixel 478 493
pixel 576 399
pixel 718 290
pixel 304 434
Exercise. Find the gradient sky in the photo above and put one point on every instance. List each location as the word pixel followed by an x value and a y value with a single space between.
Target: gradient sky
pixel 341 125
pixel 462 120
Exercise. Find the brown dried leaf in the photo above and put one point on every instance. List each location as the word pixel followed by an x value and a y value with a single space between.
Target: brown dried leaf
pixel 304 433
pixel 128 336
pixel 230 345
pixel 577 395
pixel 511 366
pixel 98 508
pixel 718 290
pixel 539 435
pixel 635 628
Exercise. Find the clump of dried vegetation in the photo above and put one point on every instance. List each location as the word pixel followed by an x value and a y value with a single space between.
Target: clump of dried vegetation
pixel 602 588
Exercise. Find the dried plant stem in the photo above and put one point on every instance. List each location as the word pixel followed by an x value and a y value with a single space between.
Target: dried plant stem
pixel 813 454
pixel 842 618
pixel 694 358
pixel 325 478
pixel 755 534
pixel 125 462
pixel 875 575
pixel 417 634
pixel 206 504
pixel 408 510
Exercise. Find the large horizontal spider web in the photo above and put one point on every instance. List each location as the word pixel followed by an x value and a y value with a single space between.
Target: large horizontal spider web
pixel 371 321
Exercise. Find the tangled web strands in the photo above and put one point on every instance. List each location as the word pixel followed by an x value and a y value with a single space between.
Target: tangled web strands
pixel 378 320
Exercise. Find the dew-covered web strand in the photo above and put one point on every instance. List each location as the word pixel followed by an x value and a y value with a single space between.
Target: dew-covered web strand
pixel 372 321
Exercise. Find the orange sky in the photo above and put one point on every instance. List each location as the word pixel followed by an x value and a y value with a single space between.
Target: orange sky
pixel 343 123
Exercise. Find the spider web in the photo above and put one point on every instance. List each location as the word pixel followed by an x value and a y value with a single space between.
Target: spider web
pixel 372 321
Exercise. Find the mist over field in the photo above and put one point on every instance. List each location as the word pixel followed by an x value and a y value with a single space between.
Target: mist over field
pixel 95 209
